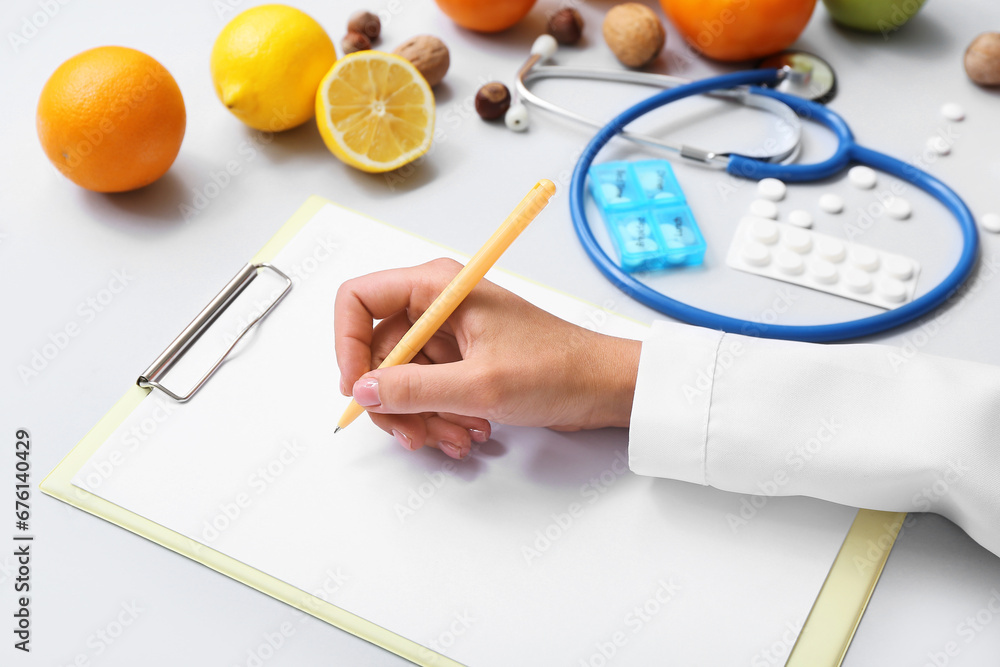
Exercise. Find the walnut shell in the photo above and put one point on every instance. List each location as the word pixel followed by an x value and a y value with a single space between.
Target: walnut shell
pixel 428 54
pixel 982 59
pixel 634 34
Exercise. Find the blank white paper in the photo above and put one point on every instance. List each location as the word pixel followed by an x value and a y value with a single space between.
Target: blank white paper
pixel 541 549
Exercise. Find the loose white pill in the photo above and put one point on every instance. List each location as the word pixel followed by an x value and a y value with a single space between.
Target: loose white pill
pixel 756 254
pixel 800 218
pixel 938 145
pixel 864 258
pixel 762 208
pixel 899 208
pixel 953 111
pixel 831 250
pixel 823 271
pixel 798 240
pixel 789 262
pixel 991 222
pixel 516 117
pixel 899 268
pixel 831 203
pixel 892 290
pixel 862 177
pixel 764 230
pixel 857 281
pixel 771 188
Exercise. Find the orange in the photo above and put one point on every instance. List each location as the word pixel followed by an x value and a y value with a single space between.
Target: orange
pixel 734 30
pixel 486 15
pixel 111 119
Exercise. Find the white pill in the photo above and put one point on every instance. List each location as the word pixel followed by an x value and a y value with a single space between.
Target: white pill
pixel 771 188
pixel 516 117
pixel 857 281
pixel 953 111
pixel 892 290
pixel 899 268
pixel 831 250
pixel 756 254
pixel 823 271
pixel 991 222
pixel 762 208
pixel 938 145
pixel 612 192
pixel 831 203
pixel 798 240
pixel 864 258
pixel 862 177
pixel 899 208
pixel 800 218
pixel 789 262
pixel 764 230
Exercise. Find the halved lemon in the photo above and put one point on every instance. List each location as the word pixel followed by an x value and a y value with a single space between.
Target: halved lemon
pixel 375 111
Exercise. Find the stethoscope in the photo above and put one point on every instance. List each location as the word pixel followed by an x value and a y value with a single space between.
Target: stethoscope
pixel 770 83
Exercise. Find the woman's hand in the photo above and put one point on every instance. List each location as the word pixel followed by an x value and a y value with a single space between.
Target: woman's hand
pixel 497 358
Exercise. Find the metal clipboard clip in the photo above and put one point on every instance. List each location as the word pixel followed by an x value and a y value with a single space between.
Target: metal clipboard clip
pixel 151 376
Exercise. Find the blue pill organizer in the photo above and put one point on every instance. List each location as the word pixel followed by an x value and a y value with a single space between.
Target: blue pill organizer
pixel 647 215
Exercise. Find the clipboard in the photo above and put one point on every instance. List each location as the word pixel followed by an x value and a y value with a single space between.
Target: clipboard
pixel 823 640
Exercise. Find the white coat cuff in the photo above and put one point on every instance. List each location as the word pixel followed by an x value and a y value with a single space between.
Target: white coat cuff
pixel 668 432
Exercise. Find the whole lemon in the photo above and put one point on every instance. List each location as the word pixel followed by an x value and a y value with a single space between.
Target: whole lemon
pixel 267 64
pixel 111 119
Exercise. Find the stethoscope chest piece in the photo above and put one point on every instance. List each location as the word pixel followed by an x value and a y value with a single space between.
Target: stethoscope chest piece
pixel 803 75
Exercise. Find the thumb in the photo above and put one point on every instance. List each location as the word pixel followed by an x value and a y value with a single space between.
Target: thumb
pixel 413 388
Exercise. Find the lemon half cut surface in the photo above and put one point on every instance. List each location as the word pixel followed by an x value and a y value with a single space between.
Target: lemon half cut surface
pixel 375 111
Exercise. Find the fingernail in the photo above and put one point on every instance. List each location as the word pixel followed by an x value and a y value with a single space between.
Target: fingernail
pixel 452 450
pixel 479 435
pixel 403 439
pixel 366 392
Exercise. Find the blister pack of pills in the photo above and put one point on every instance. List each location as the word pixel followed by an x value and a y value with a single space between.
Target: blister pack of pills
pixel 822 262
pixel 647 215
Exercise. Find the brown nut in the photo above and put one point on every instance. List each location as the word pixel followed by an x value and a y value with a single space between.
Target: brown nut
pixel 634 34
pixel 428 54
pixel 566 26
pixel 982 59
pixel 492 100
pixel 355 41
pixel 366 23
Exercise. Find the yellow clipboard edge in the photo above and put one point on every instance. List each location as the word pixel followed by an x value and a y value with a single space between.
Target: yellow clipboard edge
pixel 841 603
pixel 58 484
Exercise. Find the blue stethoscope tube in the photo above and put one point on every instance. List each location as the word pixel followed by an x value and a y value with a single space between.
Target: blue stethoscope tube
pixel 847 151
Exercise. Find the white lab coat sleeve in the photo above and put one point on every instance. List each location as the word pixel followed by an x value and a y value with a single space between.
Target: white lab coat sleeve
pixel 869 426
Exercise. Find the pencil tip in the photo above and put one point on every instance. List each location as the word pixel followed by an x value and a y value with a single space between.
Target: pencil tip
pixel 336 430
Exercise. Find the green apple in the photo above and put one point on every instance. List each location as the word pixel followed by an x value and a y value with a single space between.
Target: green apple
pixel 882 16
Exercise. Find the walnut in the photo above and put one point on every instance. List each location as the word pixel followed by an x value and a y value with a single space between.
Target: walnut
pixel 982 59
pixel 634 34
pixel 428 54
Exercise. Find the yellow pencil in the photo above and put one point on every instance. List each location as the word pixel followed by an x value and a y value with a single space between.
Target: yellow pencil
pixel 456 291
